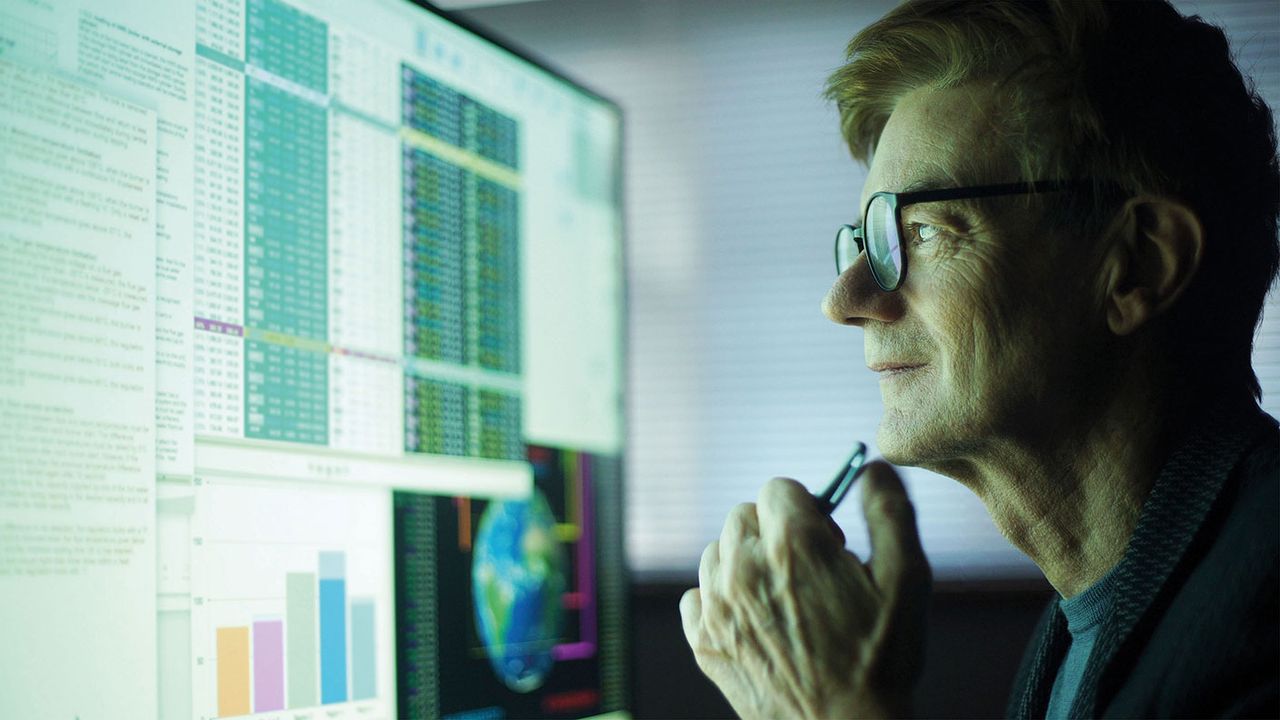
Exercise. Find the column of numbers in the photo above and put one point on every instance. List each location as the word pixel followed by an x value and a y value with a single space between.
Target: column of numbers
pixel 220 26
pixel 218 253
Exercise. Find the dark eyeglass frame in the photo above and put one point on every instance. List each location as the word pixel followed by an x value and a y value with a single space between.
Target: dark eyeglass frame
pixel 899 200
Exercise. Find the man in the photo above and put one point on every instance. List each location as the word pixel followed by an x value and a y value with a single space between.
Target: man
pixel 1068 230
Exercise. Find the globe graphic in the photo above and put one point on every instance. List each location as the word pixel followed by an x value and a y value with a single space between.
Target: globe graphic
pixel 517 577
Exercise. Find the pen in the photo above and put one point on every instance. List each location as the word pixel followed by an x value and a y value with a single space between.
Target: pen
pixel 844 479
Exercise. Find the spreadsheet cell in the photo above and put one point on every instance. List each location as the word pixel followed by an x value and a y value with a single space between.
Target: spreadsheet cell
pixel 289 43
pixel 219 195
pixel 365 276
pixel 417 606
pixel 286 216
pixel 434 262
pixel 499 425
pixel 286 393
pixel 432 107
pixel 437 415
pixel 497 253
pixel 489 133
pixel 365 409
pixel 219 384
pixel 220 26
pixel 364 76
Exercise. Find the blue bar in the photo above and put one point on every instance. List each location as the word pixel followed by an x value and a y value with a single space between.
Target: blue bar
pixel 333 627
pixel 363 668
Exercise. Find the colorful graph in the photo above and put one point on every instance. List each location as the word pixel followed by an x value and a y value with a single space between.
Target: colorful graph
pixel 291 600
pixel 316 625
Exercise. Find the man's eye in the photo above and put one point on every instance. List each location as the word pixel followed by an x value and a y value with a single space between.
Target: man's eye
pixel 923 232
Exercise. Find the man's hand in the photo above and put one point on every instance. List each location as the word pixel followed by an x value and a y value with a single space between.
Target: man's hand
pixel 789 624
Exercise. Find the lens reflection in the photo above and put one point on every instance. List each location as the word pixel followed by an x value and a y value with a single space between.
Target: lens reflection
pixel 883 243
pixel 846 249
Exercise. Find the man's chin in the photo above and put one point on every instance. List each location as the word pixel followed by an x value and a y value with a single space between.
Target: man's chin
pixel 894 441
pixel 913 440
pixel 909 439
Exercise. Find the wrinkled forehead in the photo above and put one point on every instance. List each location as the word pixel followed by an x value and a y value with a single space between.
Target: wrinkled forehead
pixel 939 138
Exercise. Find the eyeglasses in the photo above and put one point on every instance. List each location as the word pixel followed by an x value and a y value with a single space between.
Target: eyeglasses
pixel 881 236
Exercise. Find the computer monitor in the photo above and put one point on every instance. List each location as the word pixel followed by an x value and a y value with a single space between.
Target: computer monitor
pixel 356 286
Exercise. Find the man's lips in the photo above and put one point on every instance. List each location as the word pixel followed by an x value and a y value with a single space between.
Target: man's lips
pixel 893 367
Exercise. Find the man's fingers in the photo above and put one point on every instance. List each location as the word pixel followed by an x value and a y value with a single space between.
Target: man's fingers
pixel 789 517
pixel 708 656
pixel 708 565
pixel 897 559
pixel 741 527
pixel 691 616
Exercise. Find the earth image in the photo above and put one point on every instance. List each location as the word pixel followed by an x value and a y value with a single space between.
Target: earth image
pixel 518 573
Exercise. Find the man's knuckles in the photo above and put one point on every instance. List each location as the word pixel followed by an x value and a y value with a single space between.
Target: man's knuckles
pixel 708 564
pixel 880 480
pixel 780 494
pixel 742 521
pixel 893 508
pixel 787 512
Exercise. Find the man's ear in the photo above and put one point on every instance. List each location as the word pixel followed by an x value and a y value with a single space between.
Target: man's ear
pixel 1157 245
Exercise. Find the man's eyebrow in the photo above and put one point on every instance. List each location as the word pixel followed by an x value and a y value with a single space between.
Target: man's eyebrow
pixel 929 183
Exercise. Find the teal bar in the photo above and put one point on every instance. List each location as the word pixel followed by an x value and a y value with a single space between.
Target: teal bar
pixel 219 57
pixel 300 629
pixel 363 669
pixel 338 106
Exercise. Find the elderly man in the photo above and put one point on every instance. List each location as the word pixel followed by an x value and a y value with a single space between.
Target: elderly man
pixel 1066 236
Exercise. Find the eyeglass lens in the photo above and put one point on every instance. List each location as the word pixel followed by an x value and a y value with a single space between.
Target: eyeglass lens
pixel 846 249
pixel 884 247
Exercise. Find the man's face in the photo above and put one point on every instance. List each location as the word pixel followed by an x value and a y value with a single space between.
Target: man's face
pixel 985 339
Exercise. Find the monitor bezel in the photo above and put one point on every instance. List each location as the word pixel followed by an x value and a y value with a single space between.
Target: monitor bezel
pixel 516 49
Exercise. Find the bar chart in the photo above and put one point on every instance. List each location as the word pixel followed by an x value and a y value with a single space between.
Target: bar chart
pixel 291 600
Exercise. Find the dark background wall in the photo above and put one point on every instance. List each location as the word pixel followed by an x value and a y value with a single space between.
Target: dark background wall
pixel 976 638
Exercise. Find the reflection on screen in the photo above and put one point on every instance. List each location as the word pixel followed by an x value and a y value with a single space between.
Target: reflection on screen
pixel 310 371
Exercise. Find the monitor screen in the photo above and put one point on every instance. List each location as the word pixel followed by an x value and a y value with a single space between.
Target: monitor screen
pixel 313 367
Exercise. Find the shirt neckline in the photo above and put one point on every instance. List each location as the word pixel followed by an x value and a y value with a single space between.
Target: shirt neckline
pixel 1086 609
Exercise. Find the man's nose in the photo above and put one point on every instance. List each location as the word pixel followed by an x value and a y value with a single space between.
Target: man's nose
pixel 855 297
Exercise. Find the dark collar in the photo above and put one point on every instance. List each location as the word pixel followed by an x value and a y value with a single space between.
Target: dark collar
pixel 1180 499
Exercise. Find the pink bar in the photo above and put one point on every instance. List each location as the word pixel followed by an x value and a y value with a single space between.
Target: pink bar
pixel 268 665
pixel 574 651
pixel 216 326
pixel 585 595
pixel 586 553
